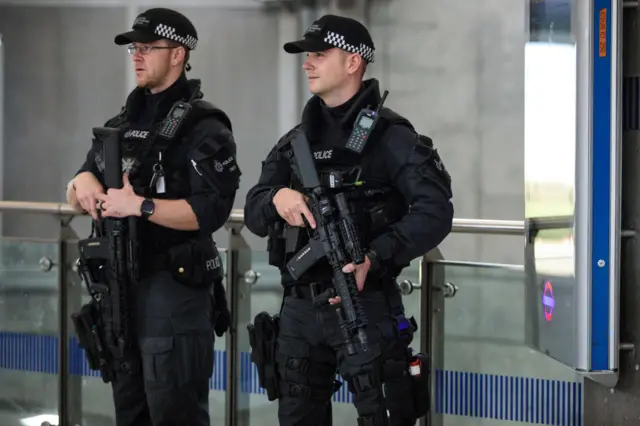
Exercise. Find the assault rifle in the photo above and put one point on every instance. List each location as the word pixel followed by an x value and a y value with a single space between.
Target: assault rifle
pixel 108 265
pixel 335 238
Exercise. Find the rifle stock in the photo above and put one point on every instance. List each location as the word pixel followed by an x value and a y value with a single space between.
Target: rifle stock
pixel 330 241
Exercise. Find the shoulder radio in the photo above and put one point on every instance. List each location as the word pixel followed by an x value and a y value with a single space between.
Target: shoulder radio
pixel 363 127
pixel 174 120
pixel 177 116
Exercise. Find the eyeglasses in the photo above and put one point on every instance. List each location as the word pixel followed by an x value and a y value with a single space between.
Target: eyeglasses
pixel 145 48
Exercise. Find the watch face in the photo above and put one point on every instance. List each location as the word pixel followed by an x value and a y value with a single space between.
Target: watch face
pixel 147 207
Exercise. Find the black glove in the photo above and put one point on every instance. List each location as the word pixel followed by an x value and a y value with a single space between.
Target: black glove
pixel 221 309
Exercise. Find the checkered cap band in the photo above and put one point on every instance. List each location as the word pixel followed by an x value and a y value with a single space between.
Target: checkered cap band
pixel 168 32
pixel 338 40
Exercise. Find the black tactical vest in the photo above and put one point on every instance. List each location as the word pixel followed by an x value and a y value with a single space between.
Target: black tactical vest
pixel 158 167
pixel 145 153
pixel 374 204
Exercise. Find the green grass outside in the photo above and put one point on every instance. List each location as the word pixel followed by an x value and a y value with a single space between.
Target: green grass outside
pixel 536 209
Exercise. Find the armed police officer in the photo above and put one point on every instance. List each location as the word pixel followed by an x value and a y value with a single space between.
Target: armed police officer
pixel 398 194
pixel 179 180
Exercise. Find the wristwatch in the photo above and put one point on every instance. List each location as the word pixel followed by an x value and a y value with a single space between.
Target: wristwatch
pixel 147 207
pixel 374 259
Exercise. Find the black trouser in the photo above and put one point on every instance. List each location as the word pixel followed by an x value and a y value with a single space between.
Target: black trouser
pixel 311 350
pixel 175 342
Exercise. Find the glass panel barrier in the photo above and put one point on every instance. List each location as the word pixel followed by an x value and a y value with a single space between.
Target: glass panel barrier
pixel 266 295
pixel 28 332
pixel 489 373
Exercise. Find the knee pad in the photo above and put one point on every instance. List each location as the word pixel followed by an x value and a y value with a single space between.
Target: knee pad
pixel 377 419
pixel 363 383
pixel 368 399
pixel 300 366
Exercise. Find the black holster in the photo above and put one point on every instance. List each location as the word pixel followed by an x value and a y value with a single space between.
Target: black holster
pixel 263 336
pixel 90 332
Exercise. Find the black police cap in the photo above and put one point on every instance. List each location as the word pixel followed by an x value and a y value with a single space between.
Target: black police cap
pixel 160 23
pixel 335 31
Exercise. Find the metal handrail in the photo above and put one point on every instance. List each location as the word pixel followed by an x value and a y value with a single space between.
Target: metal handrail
pixel 61 209
pixel 488 226
pixel 463 226
pixel 483 265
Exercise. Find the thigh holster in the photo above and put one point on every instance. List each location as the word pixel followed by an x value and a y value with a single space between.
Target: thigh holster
pixel 90 331
pixel 419 371
pixel 399 393
pixel 263 336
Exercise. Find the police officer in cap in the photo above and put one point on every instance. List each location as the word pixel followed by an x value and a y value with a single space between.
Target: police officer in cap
pixel 402 210
pixel 180 181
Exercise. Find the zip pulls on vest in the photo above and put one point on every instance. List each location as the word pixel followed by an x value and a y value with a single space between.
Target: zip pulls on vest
pixel 335 180
pixel 157 180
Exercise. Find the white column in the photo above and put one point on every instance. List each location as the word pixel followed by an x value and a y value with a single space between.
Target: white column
pixel 132 11
pixel 289 71
pixel 355 9
pixel 306 16
pixel 1 125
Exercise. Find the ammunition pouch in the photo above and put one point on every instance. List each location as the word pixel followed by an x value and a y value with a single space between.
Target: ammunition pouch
pixel 195 263
pixel 276 244
pixel 90 332
pixel 419 371
pixel 263 336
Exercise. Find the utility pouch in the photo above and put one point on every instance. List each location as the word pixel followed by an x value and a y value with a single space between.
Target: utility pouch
pixel 88 329
pixel 419 371
pixel 276 245
pixel 195 263
pixel 263 336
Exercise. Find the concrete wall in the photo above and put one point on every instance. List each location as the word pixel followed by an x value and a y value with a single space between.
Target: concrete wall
pixel 456 69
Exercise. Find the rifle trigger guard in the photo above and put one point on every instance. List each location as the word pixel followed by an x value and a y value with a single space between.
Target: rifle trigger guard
pixel 323 298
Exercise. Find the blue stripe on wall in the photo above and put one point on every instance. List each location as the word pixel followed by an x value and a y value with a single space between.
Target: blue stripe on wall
pixel 601 188
pixel 516 399
pixel 520 399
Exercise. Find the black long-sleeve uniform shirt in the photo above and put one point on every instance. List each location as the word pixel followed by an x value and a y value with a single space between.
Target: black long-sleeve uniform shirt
pixel 210 143
pixel 399 160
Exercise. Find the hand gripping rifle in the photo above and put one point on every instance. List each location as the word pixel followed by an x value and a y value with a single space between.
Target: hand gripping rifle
pixel 335 239
pixel 108 261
